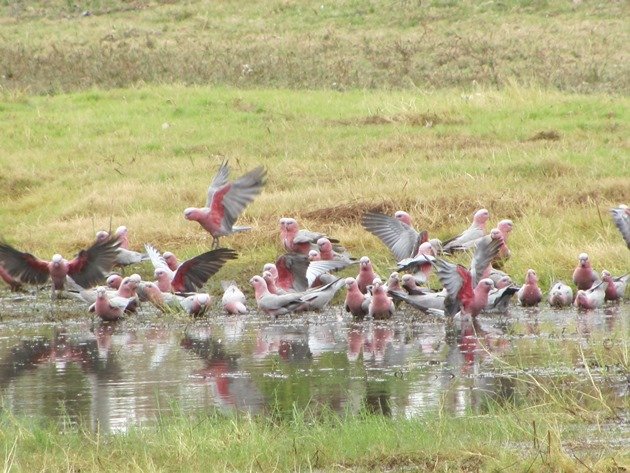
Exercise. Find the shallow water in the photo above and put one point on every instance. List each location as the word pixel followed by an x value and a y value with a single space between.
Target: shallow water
pixel 112 376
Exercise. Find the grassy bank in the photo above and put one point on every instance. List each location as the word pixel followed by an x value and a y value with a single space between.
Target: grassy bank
pixel 552 162
pixel 48 47
pixel 521 440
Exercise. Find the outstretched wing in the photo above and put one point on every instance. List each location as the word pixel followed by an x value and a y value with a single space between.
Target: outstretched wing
pixel 195 272
pixel 229 201
pixel 90 266
pixel 317 268
pixel 292 269
pixel 158 260
pixel 401 239
pixel 458 283
pixel 24 267
pixel 219 181
pixel 487 249
pixel 622 220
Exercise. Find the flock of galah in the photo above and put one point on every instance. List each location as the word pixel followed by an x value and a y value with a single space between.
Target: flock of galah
pixel 303 278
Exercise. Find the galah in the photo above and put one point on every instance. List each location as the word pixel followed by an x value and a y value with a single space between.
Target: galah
pixel 505 227
pixel 584 275
pixel 366 274
pixel 393 282
pixel 197 304
pixel 88 268
pixel 122 235
pixel 381 305
pixel 592 298
pixel 164 301
pixel 233 299
pixel 621 217
pixel 467 291
pixel 616 286
pixel 273 304
pixel 13 283
pixel 192 274
pixel 356 302
pixel 318 298
pixel 126 290
pixel 296 240
pixel 271 283
pixel 124 256
pixel 317 268
pixel 171 260
pixel 530 295
pixel 476 230
pixel 410 285
pixel 420 264
pixel 499 298
pixel 291 269
pixel 271 267
pixel 113 281
pixel 395 232
pixel 108 307
pixel 560 295
pixel 225 202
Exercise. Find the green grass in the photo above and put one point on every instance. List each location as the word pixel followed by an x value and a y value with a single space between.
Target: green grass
pixel 48 47
pixel 553 162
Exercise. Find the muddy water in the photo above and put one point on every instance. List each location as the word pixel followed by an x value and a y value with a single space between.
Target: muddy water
pixel 115 375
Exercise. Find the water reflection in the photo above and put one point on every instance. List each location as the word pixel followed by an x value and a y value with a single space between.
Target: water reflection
pixel 110 376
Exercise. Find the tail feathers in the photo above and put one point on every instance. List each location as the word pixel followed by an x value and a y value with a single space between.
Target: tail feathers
pixel 236 229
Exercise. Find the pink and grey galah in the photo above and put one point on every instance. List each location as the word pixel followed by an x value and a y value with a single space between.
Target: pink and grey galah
pixel 499 298
pixel 107 306
pixel 423 301
pixel 616 286
pixel 88 268
pixel 621 217
pixel 395 232
pixel 560 295
pixel 296 240
pixel 233 300
pixel 584 276
pixel 225 201
pixel 592 298
pixel 381 305
pixel 530 295
pixel 192 274
pixel 356 302
pixel 366 274
pixel 273 304
pixel 124 256
pixel 196 304
pixel 476 230
pixel 127 290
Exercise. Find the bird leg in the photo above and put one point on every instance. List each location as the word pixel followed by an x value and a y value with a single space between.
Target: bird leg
pixel 215 243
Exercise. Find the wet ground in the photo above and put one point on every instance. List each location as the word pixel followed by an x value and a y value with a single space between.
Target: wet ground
pixel 58 362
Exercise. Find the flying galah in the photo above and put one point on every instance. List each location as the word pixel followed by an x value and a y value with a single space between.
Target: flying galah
pixel 621 217
pixel 296 240
pixel 584 275
pixel 616 286
pixel 560 295
pixel 192 274
pixel 592 298
pixel 88 268
pixel 476 230
pixel 233 299
pixel 226 201
pixel 529 294
pixel 395 232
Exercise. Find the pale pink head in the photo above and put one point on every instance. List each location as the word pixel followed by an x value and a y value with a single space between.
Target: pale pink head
pixel 583 259
pixel 505 226
pixel 495 234
pixel 57 259
pixel 504 281
pixel 314 255
pixel 486 285
pixel 481 217
pixel 259 285
pixel 101 292
pixel 364 262
pixel 350 283
pixel 101 236
pixel 531 277
pixel 171 260
pixel 114 280
pixel 121 231
pixel 192 213
pixel 426 248
pixel 324 244
pixel 272 269
pixel 403 216
pixel 291 225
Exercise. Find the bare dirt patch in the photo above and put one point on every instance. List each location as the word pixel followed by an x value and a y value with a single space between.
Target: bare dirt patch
pixel 427 120
pixel 547 135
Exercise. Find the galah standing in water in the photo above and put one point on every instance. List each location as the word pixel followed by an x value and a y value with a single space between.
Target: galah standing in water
pixel 467 292
pixel 395 232
pixel 126 290
pixel 196 304
pixel 318 298
pixel 88 268
pixel 529 294
pixel 584 275
pixel 272 304
pixel 124 256
pixel 476 230
pixel 226 201
pixel 592 298
pixel 356 302
pixel 621 217
pixel 295 240
pixel 108 308
pixel 233 299
pixel 291 270
pixel 366 274
pixel 192 274
pixel 381 305
pixel 616 286
pixel 560 295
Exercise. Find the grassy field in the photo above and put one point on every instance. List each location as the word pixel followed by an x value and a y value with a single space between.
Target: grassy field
pixel 553 162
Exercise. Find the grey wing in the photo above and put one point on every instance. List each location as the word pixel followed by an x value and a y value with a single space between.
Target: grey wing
pixel 219 181
pixel 487 250
pixel 452 281
pixel 241 193
pixel 622 220
pixel 400 238
pixel 317 268
pixel 306 236
pixel 411 263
